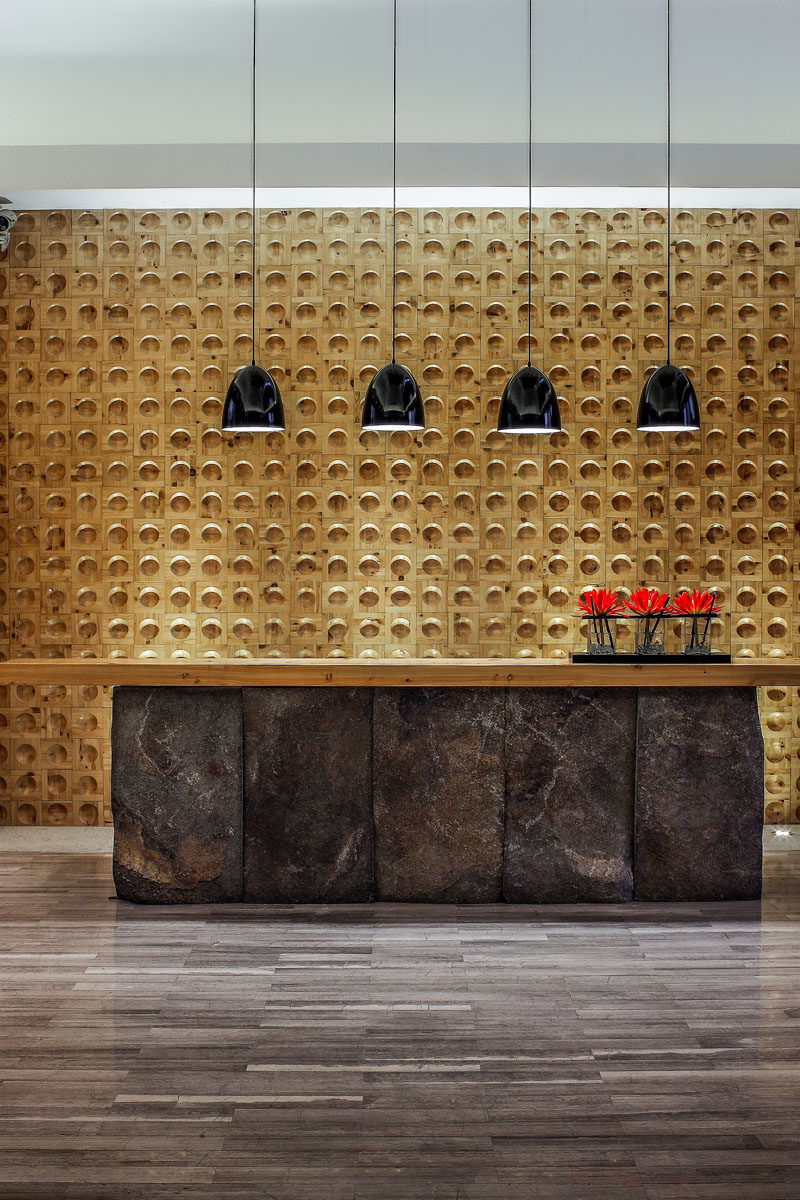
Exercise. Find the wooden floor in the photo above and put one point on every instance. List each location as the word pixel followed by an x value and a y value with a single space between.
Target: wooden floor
pixel 394 1053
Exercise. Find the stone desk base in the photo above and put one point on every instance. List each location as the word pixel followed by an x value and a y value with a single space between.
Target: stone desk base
pixel 456 795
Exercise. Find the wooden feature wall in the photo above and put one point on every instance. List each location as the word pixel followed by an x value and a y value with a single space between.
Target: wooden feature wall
pixel 136 528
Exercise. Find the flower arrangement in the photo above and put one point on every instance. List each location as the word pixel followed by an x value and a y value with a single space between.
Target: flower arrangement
pixel 652 609
pixel 649 606
pixel 601 605
pixel 696 605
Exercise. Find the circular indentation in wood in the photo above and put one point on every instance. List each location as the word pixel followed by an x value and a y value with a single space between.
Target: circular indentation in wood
pixel 26 812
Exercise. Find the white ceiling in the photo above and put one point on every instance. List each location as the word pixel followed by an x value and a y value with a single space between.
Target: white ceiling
pixel 156 93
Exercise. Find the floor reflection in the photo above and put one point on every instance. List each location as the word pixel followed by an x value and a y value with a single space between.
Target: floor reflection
pixel 645 1051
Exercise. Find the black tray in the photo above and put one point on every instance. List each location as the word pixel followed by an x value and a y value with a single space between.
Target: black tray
pixel 655 659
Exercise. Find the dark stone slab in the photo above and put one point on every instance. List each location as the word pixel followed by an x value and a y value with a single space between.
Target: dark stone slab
pixel 700 795
pixel 569 795
pixel 438 793
pixel 308 795
pixel 176 794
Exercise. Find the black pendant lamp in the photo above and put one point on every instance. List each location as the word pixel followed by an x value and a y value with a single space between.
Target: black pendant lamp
pixel 253 403
pixel 529 403
pixel 668 403
pixel 393 400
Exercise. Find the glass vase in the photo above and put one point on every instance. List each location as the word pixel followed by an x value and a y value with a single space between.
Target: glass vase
pixel 697 635
pixel 601 636
pixel 650 635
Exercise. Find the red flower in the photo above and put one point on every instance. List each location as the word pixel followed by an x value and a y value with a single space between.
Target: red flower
pixel 600 602
pixel 695 604
pixel 648 602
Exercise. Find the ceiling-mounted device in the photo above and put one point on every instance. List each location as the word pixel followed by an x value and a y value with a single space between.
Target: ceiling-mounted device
pixel 253 402
pixel 529 403
pixel 393 401
pixel 668 403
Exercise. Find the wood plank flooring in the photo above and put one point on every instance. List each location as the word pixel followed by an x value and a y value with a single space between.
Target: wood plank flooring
pixel 394 1052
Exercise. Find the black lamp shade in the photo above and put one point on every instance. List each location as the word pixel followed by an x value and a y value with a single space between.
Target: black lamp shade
pixel 253 403
pixel 393 401
pixel 668 403
pixel 529 404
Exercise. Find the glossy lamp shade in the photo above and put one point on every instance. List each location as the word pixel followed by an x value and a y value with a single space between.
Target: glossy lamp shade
pixel 393 401
pixel 529 404
pixel 668 403
pixel 253 403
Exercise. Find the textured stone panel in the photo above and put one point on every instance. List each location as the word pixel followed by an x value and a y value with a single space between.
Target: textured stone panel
pixel 308 795
pixel 438 793
pixel 176 794
pixel 569 795
pixel 699 752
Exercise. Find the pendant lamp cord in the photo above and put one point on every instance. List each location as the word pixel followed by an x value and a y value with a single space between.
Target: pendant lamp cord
pixel 669 182
pixel 394 169
pixel 253 166
pixel 530 166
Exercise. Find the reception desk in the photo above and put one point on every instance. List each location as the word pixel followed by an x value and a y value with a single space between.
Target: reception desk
pixel 452 781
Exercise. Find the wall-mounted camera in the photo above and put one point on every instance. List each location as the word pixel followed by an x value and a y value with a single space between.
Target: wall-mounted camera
pixel 8 220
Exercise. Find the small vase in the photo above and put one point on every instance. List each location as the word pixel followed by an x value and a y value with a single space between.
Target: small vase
pixel 600 639
pixel 697 635
pixel 650 636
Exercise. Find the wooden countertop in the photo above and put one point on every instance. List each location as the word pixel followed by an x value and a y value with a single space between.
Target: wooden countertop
pixel 396 672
